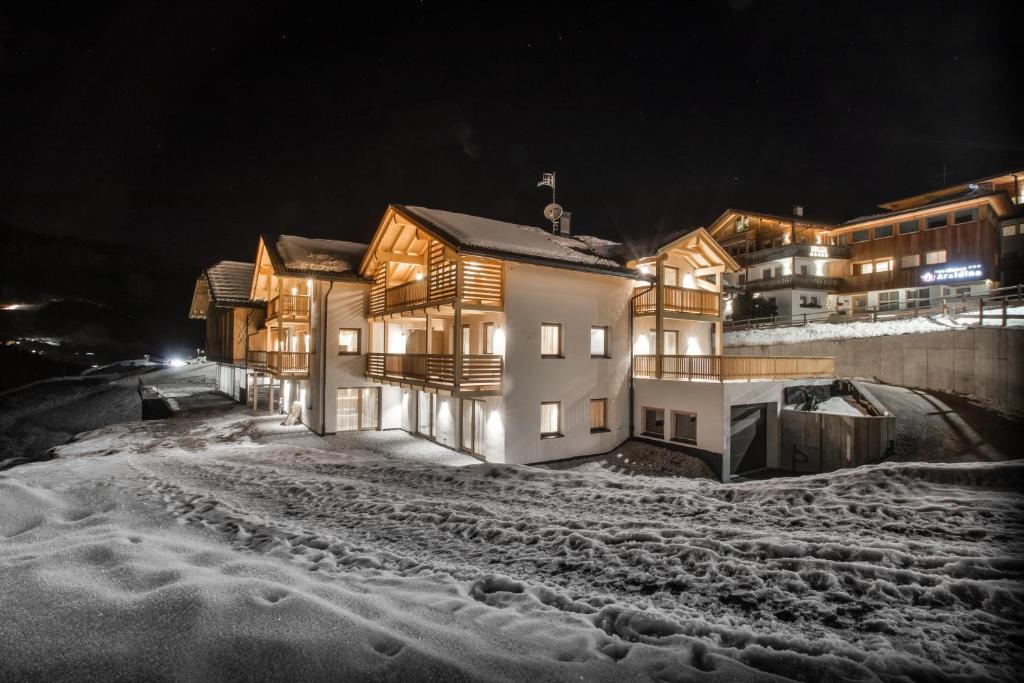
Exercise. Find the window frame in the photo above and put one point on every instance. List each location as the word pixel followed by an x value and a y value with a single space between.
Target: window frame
pixel 561 341
pixel 558 415
pixel 359 341
pixel 603 428
pixel 864 231
pixel 945 257
pixel 653 435
pixel 972 211
pixel 467 347
pixel 1012 227
pixel 916 264
pixel 605 330
pixel 488 338
pixel 928 221
pixel 678 439
pixel 903 224
pixel 875 235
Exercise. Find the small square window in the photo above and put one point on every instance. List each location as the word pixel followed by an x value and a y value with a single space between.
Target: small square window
pixel 599 342
pixel 348 341
pixel 860 236
pixel 598 415
pixel 684 427
pixel 654 422
pixel 883 231
pixel 551 340
pixel 550 419
pixel 933 222
pixel 907 227
pixel 965 216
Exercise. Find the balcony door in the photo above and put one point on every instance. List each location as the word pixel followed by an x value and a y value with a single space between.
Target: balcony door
pixel 358 409
pixel 473 423
pixel 426 410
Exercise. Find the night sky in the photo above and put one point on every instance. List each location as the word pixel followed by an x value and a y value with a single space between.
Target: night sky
pixel 192 130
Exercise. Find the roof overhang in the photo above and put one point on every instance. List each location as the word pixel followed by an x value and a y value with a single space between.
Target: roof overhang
pixel 699 249
pixel 999 201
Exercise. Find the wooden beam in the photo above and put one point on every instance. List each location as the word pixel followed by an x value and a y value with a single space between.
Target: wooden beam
pixel 385 255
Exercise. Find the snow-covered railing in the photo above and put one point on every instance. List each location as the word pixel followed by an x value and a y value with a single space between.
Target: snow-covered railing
pixel 992 305
pixel 724 368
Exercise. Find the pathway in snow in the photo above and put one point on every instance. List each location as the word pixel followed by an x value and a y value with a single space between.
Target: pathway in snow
pixel 895 570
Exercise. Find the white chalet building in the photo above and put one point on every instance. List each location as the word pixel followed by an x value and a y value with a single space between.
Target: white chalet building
pixel 514 344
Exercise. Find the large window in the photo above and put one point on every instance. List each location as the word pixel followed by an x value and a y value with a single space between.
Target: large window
pixel 910 261
pixel 934 257
pixel 907 227
pixel 933 222
pixel 358 409
pixel 883 266
pixel 918 298
pixel 888 301
pixel 865 268
pixel 348 341
pixel 550 419
pixel 654 422
pixel 965 215
pixel 474 413
pixel 551 340
pixel 883 231
pixel 860 236
pixel 684 427
pixel 598 342
pixel 598 415
pixel 1009 230
pixel 671 276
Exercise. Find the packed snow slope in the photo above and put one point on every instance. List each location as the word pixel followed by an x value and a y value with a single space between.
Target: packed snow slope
pixel 184 548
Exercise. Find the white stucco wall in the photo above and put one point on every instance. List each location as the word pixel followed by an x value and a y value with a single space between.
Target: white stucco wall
pixel 535 295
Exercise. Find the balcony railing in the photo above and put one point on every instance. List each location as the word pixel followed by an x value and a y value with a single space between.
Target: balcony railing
pixel 288 306
pixel 677 300
pixel 478 282
pixel 288 363
pixel 410 294
pixel 789 250
pixel 436 369
pixel 831 284
pixel 723 368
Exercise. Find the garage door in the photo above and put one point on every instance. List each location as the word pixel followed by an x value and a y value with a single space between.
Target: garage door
pixel 748 438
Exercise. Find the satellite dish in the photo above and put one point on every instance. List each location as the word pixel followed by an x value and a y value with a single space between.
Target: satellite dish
pixel 552 212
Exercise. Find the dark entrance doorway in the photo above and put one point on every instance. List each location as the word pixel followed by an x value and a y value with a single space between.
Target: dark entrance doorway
pixel 748 434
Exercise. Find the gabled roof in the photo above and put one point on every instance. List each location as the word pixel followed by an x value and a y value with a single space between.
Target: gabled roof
pixel 488 237
pixel 700 249
pixel 229 283
pixel 994 196
pixel 304 257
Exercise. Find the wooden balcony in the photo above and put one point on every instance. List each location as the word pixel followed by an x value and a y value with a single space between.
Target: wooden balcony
pixel 825 251
pixel 290 364
pixel 828 284
pixel 256 359
pixel 476 282
pixel 678 300
pixel 480 372
pixel 726 368
pixel 288 307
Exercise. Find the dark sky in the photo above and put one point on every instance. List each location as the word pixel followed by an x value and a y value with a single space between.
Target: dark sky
pixel 195 128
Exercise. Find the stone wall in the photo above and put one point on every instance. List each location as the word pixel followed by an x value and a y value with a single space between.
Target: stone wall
pixel 982 362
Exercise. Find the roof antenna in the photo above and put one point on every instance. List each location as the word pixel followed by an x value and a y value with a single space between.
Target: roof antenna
pixel 553 212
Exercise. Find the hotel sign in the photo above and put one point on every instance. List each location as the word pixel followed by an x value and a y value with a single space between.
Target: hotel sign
pixel 953 273
pixel 819 252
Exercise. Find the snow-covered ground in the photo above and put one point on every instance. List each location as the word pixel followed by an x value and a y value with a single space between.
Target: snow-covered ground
pixel 198 548
pixel 823 331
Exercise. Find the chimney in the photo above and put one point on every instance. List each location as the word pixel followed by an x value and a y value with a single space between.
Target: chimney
pixel 565 223
pixel 798 210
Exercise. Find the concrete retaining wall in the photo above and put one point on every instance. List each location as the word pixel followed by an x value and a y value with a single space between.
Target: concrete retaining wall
pixel 983 362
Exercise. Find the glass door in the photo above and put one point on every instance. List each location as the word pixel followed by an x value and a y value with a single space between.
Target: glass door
pixel 474 414
pixel 358 409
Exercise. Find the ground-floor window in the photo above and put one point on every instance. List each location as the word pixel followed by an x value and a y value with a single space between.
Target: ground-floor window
pixel 684 427
pixel 598 415
pixel 888 301
pixel 474 420
pixel 358 408
pixel 426 409
pixel 654 422
pixel 918 298
pixel 550 419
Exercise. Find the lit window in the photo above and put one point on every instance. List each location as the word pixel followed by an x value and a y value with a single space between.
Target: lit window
pixel 907 227
pixel 883 231
pixel 883 266
pixel 550 419
pixel 933 222
pixel 864 268
pixel 551 340
pixel 860 236
pixel 910 261
pixel 965 215
pixel 671 276
pixel 598 415
pixel 684 427
pixel 348 341
pixel 933 257
pixel 1009 230
pixel 488 338
pixel 465 340
pixel 888 301
pixel 598 342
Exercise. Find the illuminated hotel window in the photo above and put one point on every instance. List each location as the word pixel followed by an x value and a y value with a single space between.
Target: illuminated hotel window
pixel 551 340
pixel 550 419
pixel 598 342
pixel 910 261
pixel 933 257
pixel 598 415
pixel 348 341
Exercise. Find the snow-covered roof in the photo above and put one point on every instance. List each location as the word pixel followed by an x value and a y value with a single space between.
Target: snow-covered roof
pixel 959 197
pixel 489 237
pixel 305 256
pixel 229 282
